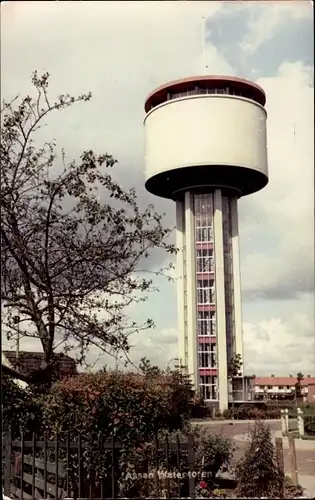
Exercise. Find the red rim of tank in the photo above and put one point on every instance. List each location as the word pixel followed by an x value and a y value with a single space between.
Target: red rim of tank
pixel 159 95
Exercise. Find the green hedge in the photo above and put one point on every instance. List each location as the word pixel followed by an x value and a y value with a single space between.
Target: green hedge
pixel 309 425
pixel 251 412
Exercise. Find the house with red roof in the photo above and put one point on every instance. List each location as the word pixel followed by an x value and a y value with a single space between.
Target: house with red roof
pixel 283 388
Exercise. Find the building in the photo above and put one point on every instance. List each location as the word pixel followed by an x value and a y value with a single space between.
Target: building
pixel 205 140
pixel 311 392
pixel 282 388
pixel 28 362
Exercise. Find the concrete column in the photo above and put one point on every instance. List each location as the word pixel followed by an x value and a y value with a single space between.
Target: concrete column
pixel 283 423
pixel 238 322
pixel 220 300
pixel 191 288
pixel 300 422
pixel 180 272
pixel 286 418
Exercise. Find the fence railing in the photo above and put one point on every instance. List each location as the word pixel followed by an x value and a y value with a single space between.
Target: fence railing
pixel 37 467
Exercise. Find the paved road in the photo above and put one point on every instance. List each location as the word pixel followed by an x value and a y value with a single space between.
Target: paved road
pixel 237 430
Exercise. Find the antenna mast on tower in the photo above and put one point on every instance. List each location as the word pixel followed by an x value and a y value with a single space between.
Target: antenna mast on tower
pixel 203 45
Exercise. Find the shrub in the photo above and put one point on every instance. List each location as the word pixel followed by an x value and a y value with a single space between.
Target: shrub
pixel 272 413
pixel 228 414
pixel 218 415
pixel 219 493
pixel 199 409
pixel 292 490
pixel 251 412
pixel 20 408
pixel 202 491
pixel 257 472
pixel 213 452
pixel 272 410
pixel 248 412
pixel 200 412
pixel 132 407
pixel 309 425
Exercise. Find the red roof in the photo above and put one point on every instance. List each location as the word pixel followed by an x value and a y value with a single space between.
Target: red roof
pixel 159 95
pixel 283 381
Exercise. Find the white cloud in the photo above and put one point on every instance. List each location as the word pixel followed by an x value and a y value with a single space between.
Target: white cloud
pixel 283 212
pixel 271 21
pixel 280 347
pixel 159 346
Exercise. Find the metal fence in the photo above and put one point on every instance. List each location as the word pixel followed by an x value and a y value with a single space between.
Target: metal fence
pixel 36 467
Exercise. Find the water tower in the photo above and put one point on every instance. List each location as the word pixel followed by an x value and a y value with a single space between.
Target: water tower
pixel 205 140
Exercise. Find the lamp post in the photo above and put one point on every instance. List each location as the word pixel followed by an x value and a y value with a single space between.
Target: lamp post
pixel 16 321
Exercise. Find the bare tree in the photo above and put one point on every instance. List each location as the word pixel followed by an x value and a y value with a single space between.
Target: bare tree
pixel 67 257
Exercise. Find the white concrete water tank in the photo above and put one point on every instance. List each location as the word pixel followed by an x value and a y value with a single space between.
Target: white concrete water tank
pixel 203 132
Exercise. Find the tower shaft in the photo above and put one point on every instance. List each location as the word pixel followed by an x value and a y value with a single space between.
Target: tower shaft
pixel 209 290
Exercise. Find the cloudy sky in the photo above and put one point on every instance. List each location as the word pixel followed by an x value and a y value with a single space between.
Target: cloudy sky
pixel 123 50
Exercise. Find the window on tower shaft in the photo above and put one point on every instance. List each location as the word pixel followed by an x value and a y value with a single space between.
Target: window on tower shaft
pixel 204 260
pixel 203 218
pixel 204 234
pixel 208 387
pixel 206 324
pixel 207 355
pixel 205 291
